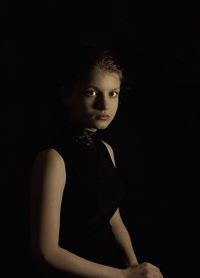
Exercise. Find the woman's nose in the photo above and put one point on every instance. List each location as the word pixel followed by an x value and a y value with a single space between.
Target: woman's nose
pixel 101 103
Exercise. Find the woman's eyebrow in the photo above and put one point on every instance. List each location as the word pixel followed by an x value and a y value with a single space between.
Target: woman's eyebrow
pixel 96 88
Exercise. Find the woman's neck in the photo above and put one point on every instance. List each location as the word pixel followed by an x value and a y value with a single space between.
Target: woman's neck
pixel 82 135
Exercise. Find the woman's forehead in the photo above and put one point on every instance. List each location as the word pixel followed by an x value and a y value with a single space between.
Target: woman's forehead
pixel 100 80
pixel 100 75
pixel 103 79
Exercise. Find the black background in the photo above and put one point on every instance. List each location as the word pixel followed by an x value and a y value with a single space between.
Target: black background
pixel 154 136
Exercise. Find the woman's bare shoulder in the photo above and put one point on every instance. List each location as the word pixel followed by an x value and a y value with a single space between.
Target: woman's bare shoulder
pixel 48 160
pixel 49 154
pixel 48 168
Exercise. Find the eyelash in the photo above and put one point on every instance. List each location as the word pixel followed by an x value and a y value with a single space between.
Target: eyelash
pixel 88 93
pixel 116 94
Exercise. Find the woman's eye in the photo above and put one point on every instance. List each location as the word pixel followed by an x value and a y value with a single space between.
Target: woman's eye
pixel 114 94
pixel 90 93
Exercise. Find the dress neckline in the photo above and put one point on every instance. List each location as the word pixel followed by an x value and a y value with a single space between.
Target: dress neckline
pixel 80 135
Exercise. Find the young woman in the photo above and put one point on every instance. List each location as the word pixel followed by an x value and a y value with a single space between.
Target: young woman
pixel 76 227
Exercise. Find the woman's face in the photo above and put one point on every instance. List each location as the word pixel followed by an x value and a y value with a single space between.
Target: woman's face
pixel 93 103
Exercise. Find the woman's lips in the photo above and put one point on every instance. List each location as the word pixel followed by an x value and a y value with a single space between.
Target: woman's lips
pixel 103 117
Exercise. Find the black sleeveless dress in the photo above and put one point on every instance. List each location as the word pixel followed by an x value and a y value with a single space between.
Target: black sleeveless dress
pixel 92 194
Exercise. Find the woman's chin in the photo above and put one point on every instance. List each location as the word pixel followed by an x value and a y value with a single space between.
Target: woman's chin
pixel 102 125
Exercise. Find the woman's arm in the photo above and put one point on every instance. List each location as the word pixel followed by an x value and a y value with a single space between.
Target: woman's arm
pixel 47 185
pixel 123 238
pixel 119 230
pixel 134 270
